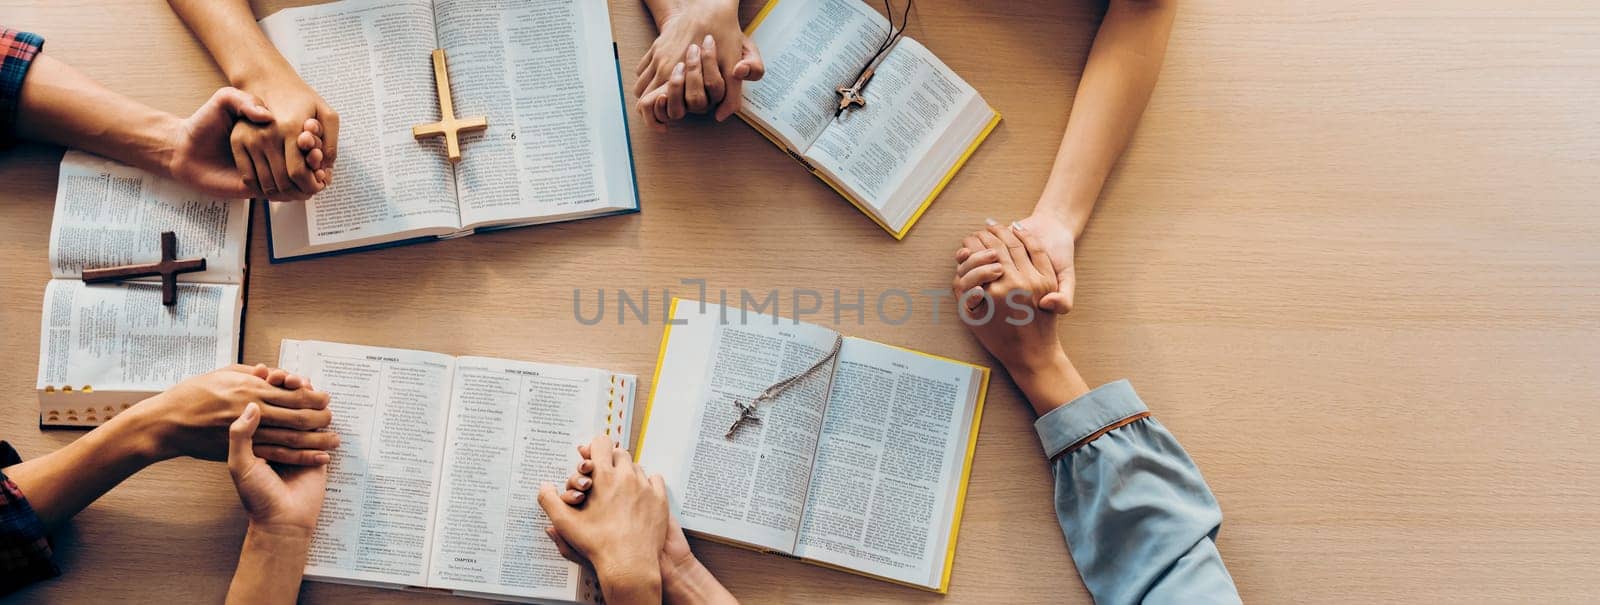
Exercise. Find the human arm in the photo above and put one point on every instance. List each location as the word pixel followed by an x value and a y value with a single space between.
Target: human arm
pixel 1139 519
pixel 47 100
pixel 189 419
pixel 251 63
pixel 1121 72
pixel 683 578
pixel 282 503
pixel 620 528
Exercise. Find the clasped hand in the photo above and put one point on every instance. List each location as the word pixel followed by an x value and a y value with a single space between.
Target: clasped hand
pixel 236 146
pixel 698 64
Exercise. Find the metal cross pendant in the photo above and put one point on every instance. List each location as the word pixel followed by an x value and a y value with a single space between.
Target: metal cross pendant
pixel 747 413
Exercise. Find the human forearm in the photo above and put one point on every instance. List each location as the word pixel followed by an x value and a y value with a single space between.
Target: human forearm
pixel 662 10
pixel 61 105
pixel 271 564
pixel 63 482
pixel 1137 515
pixel 1121 72
pixel 690 582
pixel 1046 377
pixel 229 31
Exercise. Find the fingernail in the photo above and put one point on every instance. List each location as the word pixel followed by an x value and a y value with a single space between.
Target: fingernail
pixel 261 108
pixel 678 70
pixel 990 222
pixel 1017 227
pixel 708 41
pixel 694 52
pixel 323 458
pixel 583 483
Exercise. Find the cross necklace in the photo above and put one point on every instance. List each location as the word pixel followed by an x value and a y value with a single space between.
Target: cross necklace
pixel 747 411
pixel 168 268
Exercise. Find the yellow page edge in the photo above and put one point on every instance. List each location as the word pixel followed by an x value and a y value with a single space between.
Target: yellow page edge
pixel 948 176
pixel 750 30
pixel 655 380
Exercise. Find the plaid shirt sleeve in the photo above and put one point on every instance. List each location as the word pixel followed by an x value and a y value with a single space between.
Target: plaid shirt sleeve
pixel 24 550
pixel 17 50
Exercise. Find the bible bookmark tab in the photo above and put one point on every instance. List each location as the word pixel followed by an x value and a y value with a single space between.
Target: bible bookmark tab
pixel 168 268
pixel 448 125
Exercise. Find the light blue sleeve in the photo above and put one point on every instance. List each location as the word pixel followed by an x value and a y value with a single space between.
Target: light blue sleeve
pixel 1137 515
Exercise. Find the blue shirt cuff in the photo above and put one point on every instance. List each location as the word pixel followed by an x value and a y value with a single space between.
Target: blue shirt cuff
pixel 1090 413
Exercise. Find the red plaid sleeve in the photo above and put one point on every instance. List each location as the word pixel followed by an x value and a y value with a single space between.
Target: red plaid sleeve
pixel 17 50
pixel 24 550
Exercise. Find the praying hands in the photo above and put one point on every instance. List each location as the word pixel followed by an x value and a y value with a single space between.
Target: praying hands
pixel 698 63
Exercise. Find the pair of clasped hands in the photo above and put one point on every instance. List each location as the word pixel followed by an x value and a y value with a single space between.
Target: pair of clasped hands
pixel 240 145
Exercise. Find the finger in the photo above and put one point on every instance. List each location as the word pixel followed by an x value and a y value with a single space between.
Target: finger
pixel 1059 302
pixel 715 87
pixel 675 106
pixel 301 399
pixel 586 467
pixel 599 445
pixel 977 259
pixel 299 440
pixel 731 100
pixel 750 66
pixel 658 485
pixel 562 546
pixel 301 420
pixel 1014 248
pixel 579 483
pixel 296 381
pixel 977 277
pixel 661 109
pixel 573 497
pixel 644 72
pixel 313 126
pixel 242 104
pixel 240 454
pixel 299 172
pixel 1036 253
pixel 284 455
pixel 276 376
pixel 583 450
pixel 993 242
pixel 550 501
pixel 648 80
pixel 305 142
pixel 263 170
pixel 330 136
pixel 314 160
pixel 246 167
pixel 694 84
pixel 620 458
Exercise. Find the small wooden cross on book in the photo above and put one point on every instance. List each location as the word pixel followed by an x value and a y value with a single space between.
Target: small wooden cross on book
pixel 448 125
pixel 168 269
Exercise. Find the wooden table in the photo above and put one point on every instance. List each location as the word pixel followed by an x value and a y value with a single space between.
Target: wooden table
pixel 1352 260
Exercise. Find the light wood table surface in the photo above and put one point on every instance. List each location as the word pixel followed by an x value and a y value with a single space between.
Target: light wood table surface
pixel 1352 260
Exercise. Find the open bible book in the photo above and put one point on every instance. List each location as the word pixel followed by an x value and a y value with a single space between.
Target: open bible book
pixel 436 481
pixel 543 71
pixel 861 465
pixel 104 347
pixel 890 157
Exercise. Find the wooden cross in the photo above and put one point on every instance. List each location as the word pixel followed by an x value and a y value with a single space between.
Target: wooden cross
pixel 168 269
pixel 448 126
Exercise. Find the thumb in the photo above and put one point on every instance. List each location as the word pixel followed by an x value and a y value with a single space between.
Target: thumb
pixel 242 104
pixel 750 66
pixel 550 500
pixel 1056 302
pixel 240 454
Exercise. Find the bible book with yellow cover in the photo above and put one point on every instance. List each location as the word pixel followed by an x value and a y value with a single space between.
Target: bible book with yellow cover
pixel 860 464
pixel 890 157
